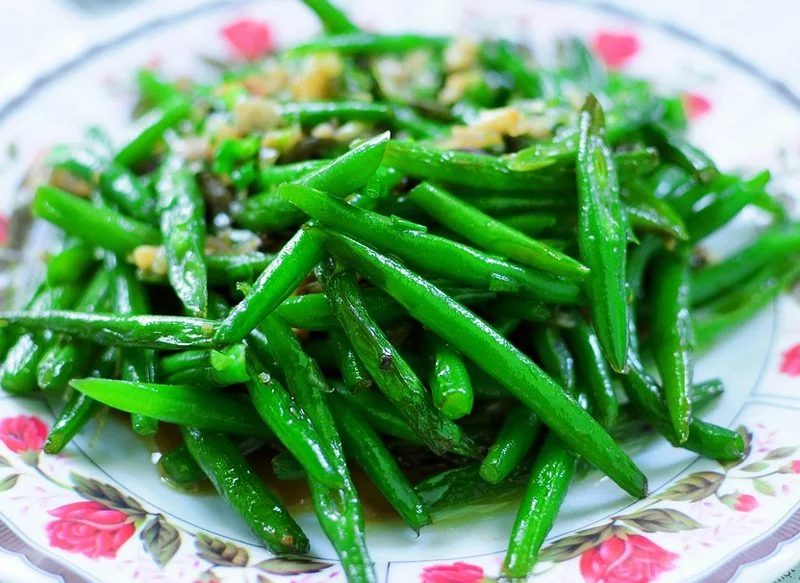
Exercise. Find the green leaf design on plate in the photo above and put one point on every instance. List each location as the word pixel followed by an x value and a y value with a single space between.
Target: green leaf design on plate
pixel 764 487
pixel 660 520
pixel 292 566
pixel 572 546
pixel 108 495
pixel 160 539
pixel 694 487
pixel 780 453
pixel 219 552
pixel 755 467
pixel 8 482
pixel 4 463
pixel 264 579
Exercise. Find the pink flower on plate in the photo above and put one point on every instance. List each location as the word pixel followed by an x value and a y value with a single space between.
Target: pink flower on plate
pixel 23 433
pixel 3 229
pixel 249 38
pixel 745 503
pixel 615 49
pixel 696 105
pixel 459 572
pixel 790 361
pixel 629 559
pixel 795 466
pixel 89 528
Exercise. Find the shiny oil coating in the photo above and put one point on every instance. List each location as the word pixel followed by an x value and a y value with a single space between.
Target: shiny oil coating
pixel 176 404
pixel 237 483
pixel 498 358
pixel 290 424
pixel 672 335
pixel 602 235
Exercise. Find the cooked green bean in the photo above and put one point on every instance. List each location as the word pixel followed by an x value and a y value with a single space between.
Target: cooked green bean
pixel 514 441
pixel 176 404
pixel 364 445
pixel 671 334
pixel 365 43
pixel 449 380
pixel 381 414
pixel 354 375
pixel 71 264
pixel 97 226
pixel 333 20
pixel 243 489
pixel 592 372
pixel 491 234
pixel 123 189
pixel 677 150
pixel 163 332
pixel 602 239
pixel 151 130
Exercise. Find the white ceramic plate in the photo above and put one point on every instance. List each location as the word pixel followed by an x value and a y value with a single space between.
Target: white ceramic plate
pixel 100 512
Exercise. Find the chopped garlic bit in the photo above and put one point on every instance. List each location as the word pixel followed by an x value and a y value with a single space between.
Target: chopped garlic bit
pixel 282 140
pixel 255 115
pixel 317 77
pixel 461 54
pixel 271 81
pixel 150 259
pixel 232 241
pixel 344 134
pixel 71 183
pixel 488 130
pixel 401 76
pixel 192 148
pixel 456 85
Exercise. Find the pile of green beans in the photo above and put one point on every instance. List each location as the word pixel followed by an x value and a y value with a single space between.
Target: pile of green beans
pixel 343 279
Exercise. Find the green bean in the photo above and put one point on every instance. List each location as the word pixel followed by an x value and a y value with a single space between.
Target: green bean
pixel 431 253
pixel 381 414
pixel 290 424
pixel 364 445
pixel 530 223
pixel 514 441
pixel 671 332
pixel 181 211
pixel 555 357
pixel 711 441
pixel 151 129
pixel 723 209
pixel 483 171
pixel 301 253
pixel 97 226
pixel 713 280
pixel 449 380
pixel 547 487
pixel 365 43
pixel 498 358
pixel 244 490
pixel 79 408
pixel 235 267
pixel 121 188
pixel 602 239
pixel 592 372
pixel 354 375
pixel 207 369
pixel 338 510
pixel 390 371
pixel 71 264
pixel 407 119
pixel 314 112
pixel 268 212
pixel 738 306
pixel 154 89
pixel 177 465
pixel 18 374
pixel 270 176
pixel 638 261
pixel 176 404
pixel 677 150
pixel 66 359
pixel 491 234
pixel 333 20
pixel 503 56
pixel 162 332
pixel 286 467
pixel 523 309
pixel 646 211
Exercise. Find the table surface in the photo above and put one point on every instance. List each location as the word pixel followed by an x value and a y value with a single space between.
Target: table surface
pixel 37 35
